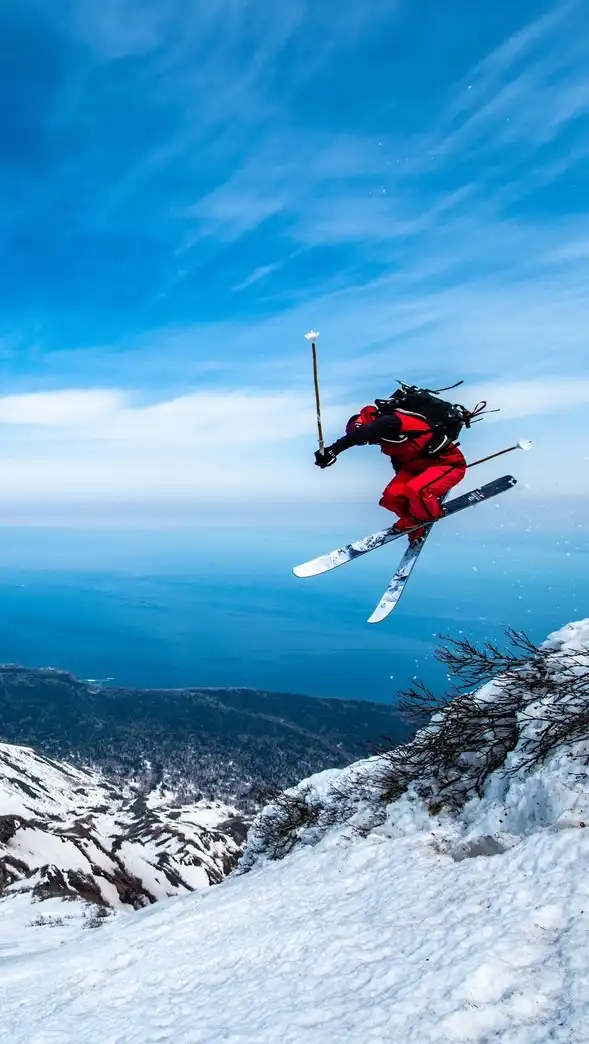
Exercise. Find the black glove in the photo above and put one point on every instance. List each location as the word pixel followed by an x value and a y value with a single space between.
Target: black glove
pixel 325 459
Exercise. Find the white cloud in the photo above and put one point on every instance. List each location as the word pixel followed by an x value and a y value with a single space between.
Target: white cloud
pixel 74 407
pixel 517 399
pixel 212 419
pixel 83 445
pixel 77 444
pixel 204 419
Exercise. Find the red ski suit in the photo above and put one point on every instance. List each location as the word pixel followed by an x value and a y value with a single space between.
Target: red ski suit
pixel 420 481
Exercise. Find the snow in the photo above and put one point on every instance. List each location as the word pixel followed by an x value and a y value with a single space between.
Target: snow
pixel 469 925
pixel 27 927
pixel 574 637
pixel 39 848
pixel 76 832
pixel 356 940
pixel 31 783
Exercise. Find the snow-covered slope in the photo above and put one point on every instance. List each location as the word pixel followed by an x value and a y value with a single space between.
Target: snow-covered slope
pixel 464 918
pixel 467 777
pixel 68 832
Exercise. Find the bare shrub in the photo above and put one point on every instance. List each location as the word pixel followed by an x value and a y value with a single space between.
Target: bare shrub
pixel 96 917
pixel 285 818
pixel 46 922
pixel 472 666
pixel 539 699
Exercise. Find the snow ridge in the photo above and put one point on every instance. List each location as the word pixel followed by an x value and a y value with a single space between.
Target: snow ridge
pixel 68 832
pixel 494 748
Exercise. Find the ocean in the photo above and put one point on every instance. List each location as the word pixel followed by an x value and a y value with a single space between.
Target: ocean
pixel 214 607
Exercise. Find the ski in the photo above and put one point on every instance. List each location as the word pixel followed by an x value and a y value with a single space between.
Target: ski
pixel 397 585
pixel 349 552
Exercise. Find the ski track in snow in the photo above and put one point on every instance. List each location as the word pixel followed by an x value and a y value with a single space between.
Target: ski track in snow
pixel 367 941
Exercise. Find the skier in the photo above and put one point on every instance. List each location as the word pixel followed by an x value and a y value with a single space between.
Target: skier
pixel 421 446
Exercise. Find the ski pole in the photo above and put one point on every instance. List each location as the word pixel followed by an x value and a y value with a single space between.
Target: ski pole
pixel 523 444
pixel 312 336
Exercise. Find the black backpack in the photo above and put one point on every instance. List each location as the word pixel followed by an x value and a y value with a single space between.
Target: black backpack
pixel 447 419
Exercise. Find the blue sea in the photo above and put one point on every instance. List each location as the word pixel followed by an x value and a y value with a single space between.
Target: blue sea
pixel 220 607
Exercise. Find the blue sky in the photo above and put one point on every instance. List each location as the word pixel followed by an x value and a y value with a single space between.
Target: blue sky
pixel 185 189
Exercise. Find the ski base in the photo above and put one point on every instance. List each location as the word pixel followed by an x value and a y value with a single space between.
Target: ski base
pixel 397 585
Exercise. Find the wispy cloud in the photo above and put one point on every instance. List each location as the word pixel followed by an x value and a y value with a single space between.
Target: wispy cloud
pixel 74 444
pixel 77 445
pixel 523 91
pixel 206 419
pixel 542 397
pixel 258 273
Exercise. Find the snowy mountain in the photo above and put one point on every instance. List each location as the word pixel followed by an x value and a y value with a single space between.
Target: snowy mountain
pixel 65 832
pixel 436 894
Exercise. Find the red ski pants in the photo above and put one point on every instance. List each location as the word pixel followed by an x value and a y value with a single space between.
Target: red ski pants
pixel 417 498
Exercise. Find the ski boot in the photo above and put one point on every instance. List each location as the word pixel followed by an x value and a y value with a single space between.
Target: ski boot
pixel 416 536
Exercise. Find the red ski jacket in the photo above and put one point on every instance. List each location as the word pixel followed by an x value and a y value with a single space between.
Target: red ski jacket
pixel 403 437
